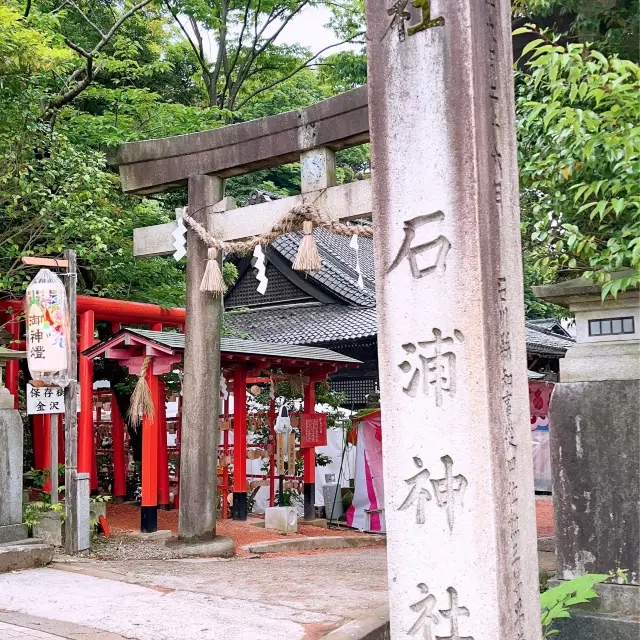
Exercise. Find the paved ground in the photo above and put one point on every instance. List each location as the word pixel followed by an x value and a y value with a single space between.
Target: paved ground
pixel 288 598
pixel 301 596
pixel 11 631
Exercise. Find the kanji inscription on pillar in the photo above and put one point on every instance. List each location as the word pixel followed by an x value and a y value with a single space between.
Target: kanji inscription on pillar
pixel 432 252
pixel 449 619
pixel 448 491
pixel 313 430
pixel 431 366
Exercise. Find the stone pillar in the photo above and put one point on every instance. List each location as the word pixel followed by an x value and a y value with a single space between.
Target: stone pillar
pixel 11 527
pixel 201 383
pixel 459 498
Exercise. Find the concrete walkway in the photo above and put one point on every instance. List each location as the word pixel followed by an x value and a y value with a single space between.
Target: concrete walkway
pixel 297 597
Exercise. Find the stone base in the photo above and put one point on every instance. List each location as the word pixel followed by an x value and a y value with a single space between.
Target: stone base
pixel 318 522
pixel 50 528
pixel 283 519
pixel 12 532
pixel 219 547
pixel 614 615
pixel 24 554
pixel 162 534
pixel 591 625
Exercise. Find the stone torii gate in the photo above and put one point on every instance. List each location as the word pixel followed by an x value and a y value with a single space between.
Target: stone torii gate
pixel 444 198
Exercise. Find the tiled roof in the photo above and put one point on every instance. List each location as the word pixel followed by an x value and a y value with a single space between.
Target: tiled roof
pixel 338 273
pixel 318 324
pixel 249 347
pixel 309 324
pixel 545 343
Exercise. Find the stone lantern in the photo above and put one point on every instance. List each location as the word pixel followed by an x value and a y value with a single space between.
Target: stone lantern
pixel 595 455
pixel 6 399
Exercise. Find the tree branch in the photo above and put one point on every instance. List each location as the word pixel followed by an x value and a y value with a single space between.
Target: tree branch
pixel 186 35
pixel 86 17
pixel 90 74
pixel 296 70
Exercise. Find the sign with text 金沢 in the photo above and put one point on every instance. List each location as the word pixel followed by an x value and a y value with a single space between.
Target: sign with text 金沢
pixel 313 430
pixel 43 400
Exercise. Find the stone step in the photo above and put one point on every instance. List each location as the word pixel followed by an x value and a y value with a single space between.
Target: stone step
pixel 24 554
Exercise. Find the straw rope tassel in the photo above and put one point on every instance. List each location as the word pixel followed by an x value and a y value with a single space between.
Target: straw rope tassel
pixel 308 258
pixel 212 281
pixel 141 401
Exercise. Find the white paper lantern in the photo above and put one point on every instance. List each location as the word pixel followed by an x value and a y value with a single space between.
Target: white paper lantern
pixel 47 327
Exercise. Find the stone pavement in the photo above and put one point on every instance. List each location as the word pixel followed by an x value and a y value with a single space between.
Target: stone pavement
pixel 295 597
pixel 11 631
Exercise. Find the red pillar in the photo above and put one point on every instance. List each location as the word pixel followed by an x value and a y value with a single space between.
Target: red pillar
pixel 12 370
pixel 38 442
pixel 46 448
pixel 163 453
pixel 310 458
pixel 117 439
pixel 86 443
pixel 225 469
pixel 149 510
pixel 239 443
pixel 176 497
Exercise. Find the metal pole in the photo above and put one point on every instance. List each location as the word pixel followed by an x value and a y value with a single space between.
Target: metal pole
pixel 71 415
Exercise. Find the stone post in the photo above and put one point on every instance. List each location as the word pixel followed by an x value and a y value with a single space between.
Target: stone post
pixel 457 448
pixel 595 456
pixel 11 527
pixel 201 383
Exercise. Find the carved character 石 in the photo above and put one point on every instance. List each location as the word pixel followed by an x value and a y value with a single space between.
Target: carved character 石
pixel 440 243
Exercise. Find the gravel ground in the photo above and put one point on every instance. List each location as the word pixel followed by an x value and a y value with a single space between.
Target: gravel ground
pixel 124 519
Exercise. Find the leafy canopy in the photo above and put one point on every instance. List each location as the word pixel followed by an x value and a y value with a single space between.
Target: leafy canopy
pixel 579 156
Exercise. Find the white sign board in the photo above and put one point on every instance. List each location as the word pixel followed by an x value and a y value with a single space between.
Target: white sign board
pixel 43 400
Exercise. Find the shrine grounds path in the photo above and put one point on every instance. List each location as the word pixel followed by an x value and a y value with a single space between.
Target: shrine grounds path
pixel 291 597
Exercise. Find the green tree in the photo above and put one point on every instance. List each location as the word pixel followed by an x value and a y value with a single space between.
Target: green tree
pixel 246 60
pixel 579 155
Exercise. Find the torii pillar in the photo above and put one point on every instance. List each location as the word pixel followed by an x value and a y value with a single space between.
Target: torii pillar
pixel 201 383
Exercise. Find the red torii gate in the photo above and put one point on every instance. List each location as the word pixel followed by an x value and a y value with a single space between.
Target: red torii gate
pixel 240 358
pixel 90 310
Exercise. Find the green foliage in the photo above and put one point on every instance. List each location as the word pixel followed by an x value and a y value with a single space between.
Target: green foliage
pixel 290 497
pixel 613 26
pixel 579 155
pixel 32 512
pixel 555 602
pixel 39 477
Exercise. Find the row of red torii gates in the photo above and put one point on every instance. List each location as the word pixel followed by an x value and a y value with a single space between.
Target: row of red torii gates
pixel 242 362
